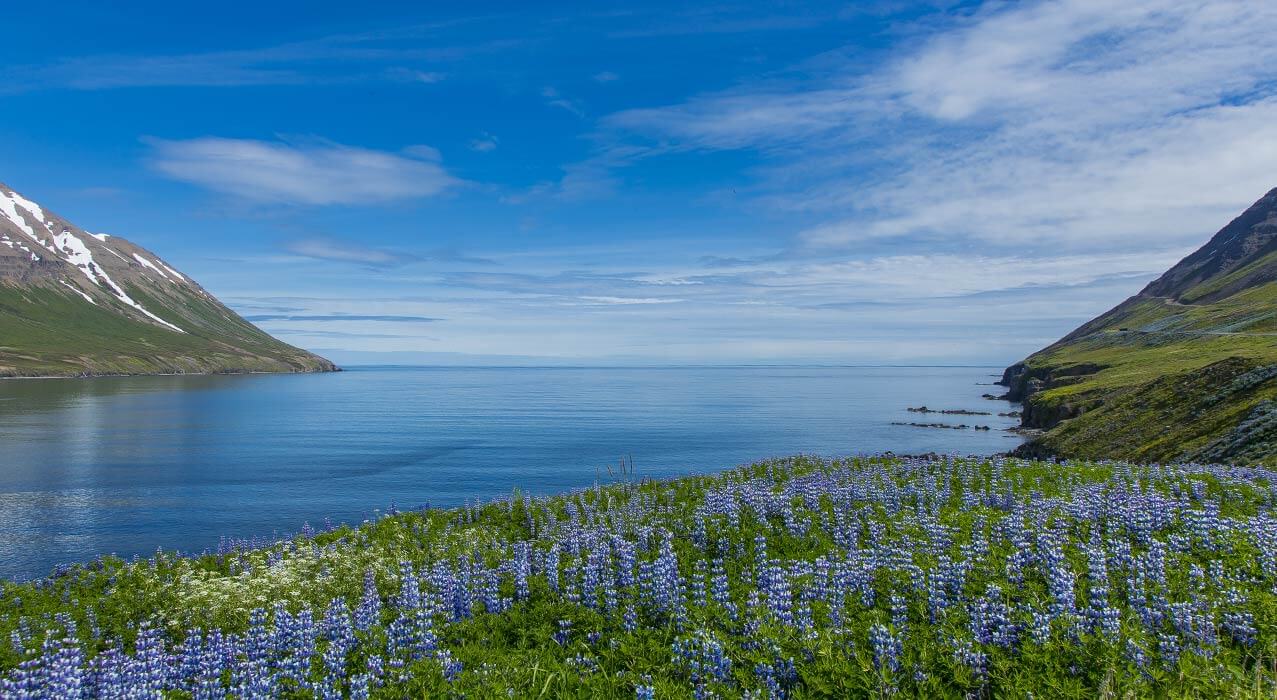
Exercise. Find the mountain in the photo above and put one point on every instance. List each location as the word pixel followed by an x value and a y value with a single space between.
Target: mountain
pixel 1184 370
pixel 80 303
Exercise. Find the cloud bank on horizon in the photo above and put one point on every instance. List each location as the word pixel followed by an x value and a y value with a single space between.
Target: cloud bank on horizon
pixel 927 182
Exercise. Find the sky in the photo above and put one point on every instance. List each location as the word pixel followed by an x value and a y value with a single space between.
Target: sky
pixel 647 183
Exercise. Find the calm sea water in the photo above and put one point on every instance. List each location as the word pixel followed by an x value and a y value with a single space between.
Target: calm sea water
pixel 126 465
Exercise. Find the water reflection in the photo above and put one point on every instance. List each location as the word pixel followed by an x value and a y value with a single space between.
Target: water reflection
pixel 128 464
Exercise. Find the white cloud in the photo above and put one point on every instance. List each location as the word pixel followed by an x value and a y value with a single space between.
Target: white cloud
pixel 328 249
pixel 424 152
pixel 485 143
pixel 312 173
pixel 606 76
pixel 1076 125
pixel 554 98
pixel 629 301
pixel 428 77
pixel 890 308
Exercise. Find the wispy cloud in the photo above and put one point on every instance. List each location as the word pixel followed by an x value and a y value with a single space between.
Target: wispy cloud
pixel 330 249
pixel 1075 125
pixel 724 18
pixel 417 76
pixel 554 98
pixel 342 317
pixel 629 301
pixel 306 173
pixel 393 54
pixel 337 250
pixel 485 143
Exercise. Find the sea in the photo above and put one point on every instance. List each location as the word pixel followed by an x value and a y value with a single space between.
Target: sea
pixel 129 465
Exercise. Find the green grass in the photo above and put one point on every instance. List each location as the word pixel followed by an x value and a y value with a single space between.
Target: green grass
pixel 902 518
pixel 1134 384
pixel 45 331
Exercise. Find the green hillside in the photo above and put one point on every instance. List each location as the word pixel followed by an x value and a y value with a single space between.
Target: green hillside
pixel 1186 369
pixel 49 332
pixel 77 303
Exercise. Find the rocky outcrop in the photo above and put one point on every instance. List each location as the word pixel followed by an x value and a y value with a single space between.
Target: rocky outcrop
pixel 1025 383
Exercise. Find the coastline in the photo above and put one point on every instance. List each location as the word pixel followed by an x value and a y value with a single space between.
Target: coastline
pixel 102 375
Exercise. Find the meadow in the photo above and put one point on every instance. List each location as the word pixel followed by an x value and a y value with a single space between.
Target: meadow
pixel 793 578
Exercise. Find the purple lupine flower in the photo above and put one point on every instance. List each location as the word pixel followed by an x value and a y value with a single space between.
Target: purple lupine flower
pixel 360 686
pixel 339 632
pixel 1136 654
pixel 552 568
pixel 252 677
pixel 1104 618
pixel 1194 621
pixel 629 622
pixel 977 661
pixel 450 665
pixel 57 673
pixel 667 584
pixel 410 587
pixel 1059 576
pixel 774 585
pixel 887 650
pixel 368 614
pixel 152 665
pixel 702 658
pixel 1169 647
pixel 521 566
pixel 899 613
pixel 719 590
pixel 991 619
pixel 107 672
pixel 564 633
pixel 206 682
pixel 625 556
pixel 591 576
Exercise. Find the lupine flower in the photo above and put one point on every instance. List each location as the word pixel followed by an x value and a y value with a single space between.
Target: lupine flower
pixel 564 633
pixel 368 613
pixel 1158 554
pixel 702 657
pixel 887 649
pixel 450 666
pixel 340 634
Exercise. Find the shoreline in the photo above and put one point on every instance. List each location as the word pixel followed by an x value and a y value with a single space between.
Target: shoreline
pixel 161 374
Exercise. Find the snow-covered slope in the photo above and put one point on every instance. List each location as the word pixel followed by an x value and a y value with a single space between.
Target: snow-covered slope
pixel 63 287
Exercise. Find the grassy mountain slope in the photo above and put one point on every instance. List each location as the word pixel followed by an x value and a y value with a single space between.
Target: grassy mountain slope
pixel 75 303
pixel 1183 370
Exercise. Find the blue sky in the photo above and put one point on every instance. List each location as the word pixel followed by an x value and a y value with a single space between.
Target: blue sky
pixel 951 182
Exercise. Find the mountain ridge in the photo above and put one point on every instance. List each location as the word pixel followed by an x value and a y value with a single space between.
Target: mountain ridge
pixel 1175 371
pixel 75 303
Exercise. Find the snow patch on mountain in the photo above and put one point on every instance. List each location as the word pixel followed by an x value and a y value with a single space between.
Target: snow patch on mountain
pixel 79 291
pixel 4 238
pixel 175 273
pixel 75 252
pixel 9 207
pixel 79 255
pixel 151 265
pixel 112 252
